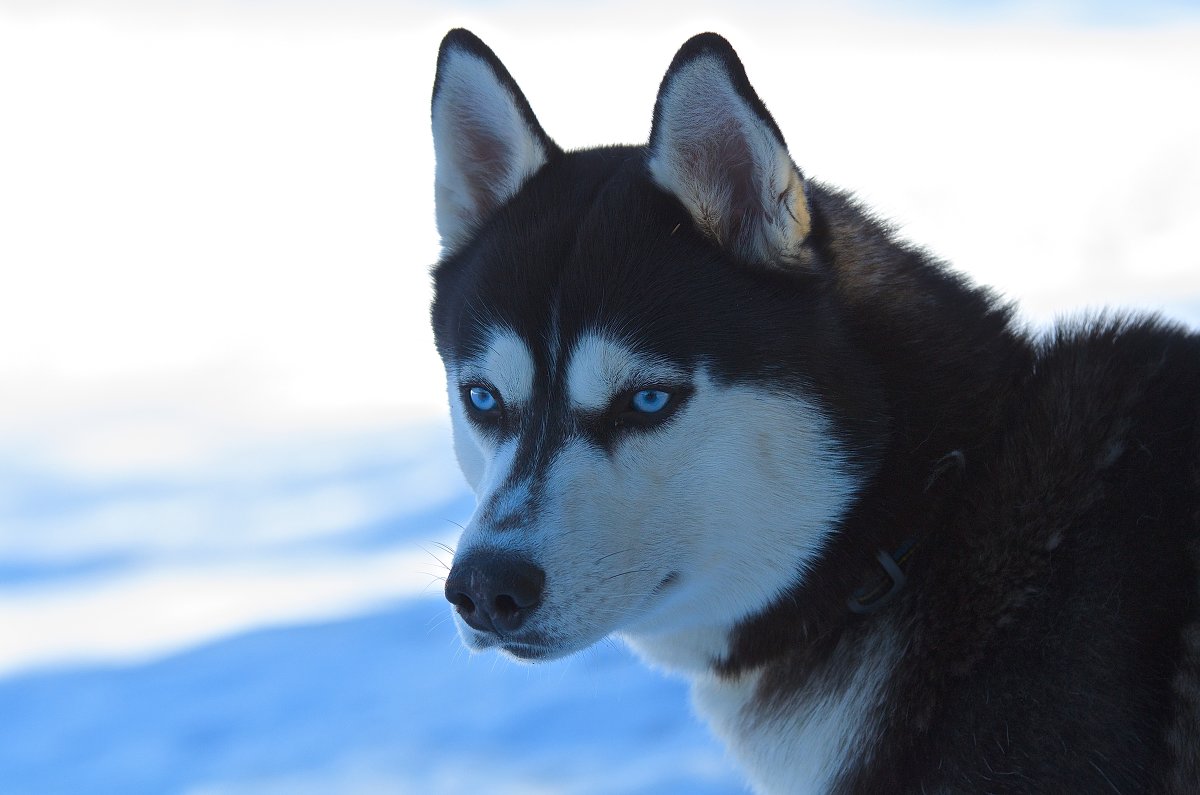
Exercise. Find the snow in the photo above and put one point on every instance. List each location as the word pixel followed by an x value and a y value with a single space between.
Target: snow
pixel 225 471
pixel 382 702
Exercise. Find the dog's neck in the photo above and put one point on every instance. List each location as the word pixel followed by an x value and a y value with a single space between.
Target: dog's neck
pixel 850 594
pixel 691 652
pixel 806 742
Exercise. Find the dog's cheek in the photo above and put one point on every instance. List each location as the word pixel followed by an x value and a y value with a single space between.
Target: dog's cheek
pixel 468 448
pixel 588 543
pixel 653 515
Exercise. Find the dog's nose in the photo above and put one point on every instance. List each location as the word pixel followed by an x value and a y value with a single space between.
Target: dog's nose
pixel 495 592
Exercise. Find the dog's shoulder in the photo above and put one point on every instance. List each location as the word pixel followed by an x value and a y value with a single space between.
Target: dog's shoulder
pixel 1105 402
pixel 1064 585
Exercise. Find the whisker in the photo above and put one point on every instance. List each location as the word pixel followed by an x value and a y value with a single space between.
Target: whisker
pixel 433 576
pixel 611 554
pixel 436 623
pixel 615 613
pixel 622 574
pixel 440 562
pixel 430 583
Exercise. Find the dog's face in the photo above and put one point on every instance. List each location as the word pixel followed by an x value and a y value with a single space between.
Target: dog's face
pixel 646 379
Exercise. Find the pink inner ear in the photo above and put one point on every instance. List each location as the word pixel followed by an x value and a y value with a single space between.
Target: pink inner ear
pixel 721 171
pixel 735 164
pixel 485 160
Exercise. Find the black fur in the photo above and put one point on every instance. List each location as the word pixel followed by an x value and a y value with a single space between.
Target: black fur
pixel 1055 577
pixel 466 41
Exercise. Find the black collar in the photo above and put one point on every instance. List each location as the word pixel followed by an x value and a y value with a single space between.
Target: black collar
pixel 881 588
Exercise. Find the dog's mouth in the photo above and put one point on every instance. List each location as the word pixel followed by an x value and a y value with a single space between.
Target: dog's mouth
pixel 528 652
pixel 525 646
pixel 529 645
pixel 536 651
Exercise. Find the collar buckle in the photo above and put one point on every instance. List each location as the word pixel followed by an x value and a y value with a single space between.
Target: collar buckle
pixel 869 598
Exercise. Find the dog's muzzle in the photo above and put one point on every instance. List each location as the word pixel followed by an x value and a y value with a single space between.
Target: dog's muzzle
pixel 495 592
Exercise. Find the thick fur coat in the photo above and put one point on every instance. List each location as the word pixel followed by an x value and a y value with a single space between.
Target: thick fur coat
pixel 897 543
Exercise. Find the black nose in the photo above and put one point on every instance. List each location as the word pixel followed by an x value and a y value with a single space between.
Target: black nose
pixel 494 591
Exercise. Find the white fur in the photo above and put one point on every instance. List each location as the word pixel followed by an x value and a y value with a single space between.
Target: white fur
pixel 735 496
pixel 727 166
pixel 472 452
pixel 484 149
pixel 601 368
pixel 507 365
pixel 820 733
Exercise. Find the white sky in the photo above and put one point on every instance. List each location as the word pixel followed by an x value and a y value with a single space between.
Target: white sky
pixel 216 219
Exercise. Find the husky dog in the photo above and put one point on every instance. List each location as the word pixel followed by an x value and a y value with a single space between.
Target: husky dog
pixel 716 408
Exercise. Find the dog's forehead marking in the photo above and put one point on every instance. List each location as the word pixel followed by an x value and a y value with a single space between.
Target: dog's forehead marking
pixel 507 364
pixel 599 367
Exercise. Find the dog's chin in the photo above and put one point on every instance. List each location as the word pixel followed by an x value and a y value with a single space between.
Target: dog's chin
pixel 540 649
pixel 528 653
pixel 522 649
pixel 527 647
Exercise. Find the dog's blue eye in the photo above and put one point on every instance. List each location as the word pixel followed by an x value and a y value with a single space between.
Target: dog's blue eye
pixel 483 399
pixel 650 401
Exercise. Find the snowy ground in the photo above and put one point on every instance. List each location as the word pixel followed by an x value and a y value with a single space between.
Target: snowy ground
pixel 224 468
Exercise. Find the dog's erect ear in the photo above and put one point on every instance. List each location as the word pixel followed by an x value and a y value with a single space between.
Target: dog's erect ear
pixel 485 137
pixel 715 147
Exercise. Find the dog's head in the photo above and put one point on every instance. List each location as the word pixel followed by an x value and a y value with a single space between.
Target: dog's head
pixel 649 384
